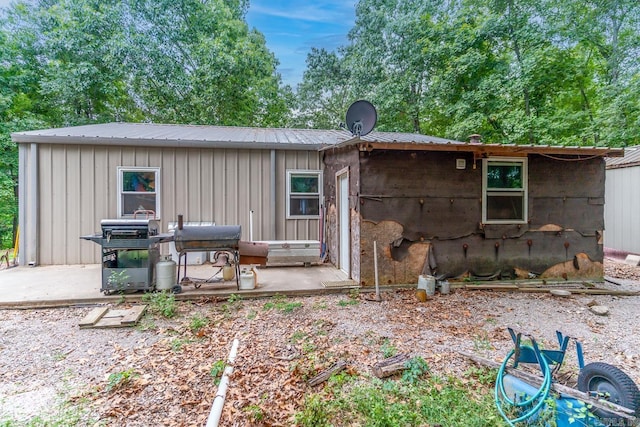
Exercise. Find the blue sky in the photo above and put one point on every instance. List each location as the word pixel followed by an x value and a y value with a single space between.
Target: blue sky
pixel 293 27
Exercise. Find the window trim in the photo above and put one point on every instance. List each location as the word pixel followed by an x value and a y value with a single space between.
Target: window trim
pixel 524 190
pixel 121 171
pixel 309 172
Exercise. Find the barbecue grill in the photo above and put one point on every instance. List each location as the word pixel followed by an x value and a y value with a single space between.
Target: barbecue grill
pixel 209 238
pixel 130 251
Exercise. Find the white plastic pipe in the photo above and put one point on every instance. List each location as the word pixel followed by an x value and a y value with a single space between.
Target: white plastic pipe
pixel 218 401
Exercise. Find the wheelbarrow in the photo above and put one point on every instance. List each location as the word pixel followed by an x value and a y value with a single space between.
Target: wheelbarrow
pixel 605 395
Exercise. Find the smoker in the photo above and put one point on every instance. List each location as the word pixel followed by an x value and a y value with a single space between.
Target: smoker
pixel 130 251
pixel 220 238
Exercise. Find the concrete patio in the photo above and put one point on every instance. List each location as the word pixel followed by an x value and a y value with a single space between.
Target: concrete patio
pixel 56 285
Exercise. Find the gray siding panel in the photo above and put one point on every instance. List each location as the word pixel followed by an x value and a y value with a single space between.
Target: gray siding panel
pixel 79 183
pixel 622 205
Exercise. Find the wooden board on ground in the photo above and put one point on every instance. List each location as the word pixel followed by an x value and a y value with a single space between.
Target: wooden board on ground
pixel 104 317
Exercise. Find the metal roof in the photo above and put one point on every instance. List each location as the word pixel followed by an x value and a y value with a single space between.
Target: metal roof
pixel 199 136
pixel 149 134
pixel 631 158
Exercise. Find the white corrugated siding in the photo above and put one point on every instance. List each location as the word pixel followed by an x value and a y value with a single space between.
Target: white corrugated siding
pixel 622 204
pixel 79 184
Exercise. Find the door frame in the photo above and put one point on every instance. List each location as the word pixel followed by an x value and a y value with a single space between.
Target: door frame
pixel 343 221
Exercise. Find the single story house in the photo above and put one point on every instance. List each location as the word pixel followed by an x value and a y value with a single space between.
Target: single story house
pixel 431 205
pixel 623 204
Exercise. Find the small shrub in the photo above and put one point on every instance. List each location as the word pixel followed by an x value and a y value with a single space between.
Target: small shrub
pixel 416 367
pixel 162 303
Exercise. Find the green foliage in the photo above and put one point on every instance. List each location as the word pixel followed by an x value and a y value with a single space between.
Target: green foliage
pixel 163 303
pixel 216 371
pixel 388 349
pixel 197 322
pixel 415 368
pixel 279 302
pixel 120 379
pixel 537 72
pixel 400 403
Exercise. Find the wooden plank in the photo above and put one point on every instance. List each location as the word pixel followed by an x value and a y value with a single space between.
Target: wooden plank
pixel 93 316
pixel 103 317
pixel 134 314
pixel 326 374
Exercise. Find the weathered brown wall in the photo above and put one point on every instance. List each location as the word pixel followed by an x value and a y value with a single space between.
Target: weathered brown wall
pixel 434 203
pixel 335 161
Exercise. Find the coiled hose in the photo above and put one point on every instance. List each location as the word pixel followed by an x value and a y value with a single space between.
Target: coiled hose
pixel 535 402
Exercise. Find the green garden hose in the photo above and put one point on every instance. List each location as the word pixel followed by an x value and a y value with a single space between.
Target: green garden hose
pixel 536 401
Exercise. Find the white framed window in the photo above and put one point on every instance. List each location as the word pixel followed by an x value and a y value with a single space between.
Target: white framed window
pixel 504 190
pixel 304 193
pixel 138 192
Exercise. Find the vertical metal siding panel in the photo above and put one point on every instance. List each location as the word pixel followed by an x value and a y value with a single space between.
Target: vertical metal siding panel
pixel 46 220
pixel 194 185
pixel 92 171
pixel 72 205
pixel 206 181
pixel 219 161
pixel 247 182
pixel 115 158
pixel 622 231
pixel 181 182
pixel 58 206
pixel 261 218
pixel 231 188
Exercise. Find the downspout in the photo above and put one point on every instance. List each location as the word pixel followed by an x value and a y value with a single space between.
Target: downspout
pixel 33 202
pixel 22 211
pixel 272 199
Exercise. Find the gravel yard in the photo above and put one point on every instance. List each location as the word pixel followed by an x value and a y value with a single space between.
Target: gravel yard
pixel 47 361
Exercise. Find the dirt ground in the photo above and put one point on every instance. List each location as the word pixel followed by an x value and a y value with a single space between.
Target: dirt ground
pixel 159 373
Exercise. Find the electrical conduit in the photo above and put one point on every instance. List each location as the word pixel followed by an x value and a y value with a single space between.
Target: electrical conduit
pixel 218 401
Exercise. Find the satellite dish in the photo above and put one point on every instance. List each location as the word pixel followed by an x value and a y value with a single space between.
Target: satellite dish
pixel 361 118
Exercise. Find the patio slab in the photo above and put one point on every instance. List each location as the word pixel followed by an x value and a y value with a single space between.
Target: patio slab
pixel 64 285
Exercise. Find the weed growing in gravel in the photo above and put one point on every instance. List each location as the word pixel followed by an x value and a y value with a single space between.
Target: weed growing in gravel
pixel 66 414
pixel 347 302
pixel 388 349
pixel 120 379
pixel 198 321
pixel 216 371
pixel 178 343
pixel 163 303
pixel 279 302
pixel 252 314
pixel 482 342
pixel 255 413
pixel 319 305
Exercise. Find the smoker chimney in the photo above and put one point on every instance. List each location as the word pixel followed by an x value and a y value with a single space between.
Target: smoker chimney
pixel 475 138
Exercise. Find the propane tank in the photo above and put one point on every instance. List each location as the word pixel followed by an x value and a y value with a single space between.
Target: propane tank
pixel 228 272
pixel 165 273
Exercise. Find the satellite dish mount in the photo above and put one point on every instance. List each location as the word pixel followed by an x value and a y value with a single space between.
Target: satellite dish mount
pixel 361 118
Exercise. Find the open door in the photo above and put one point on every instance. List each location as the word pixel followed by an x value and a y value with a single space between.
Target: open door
pixel 344 229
